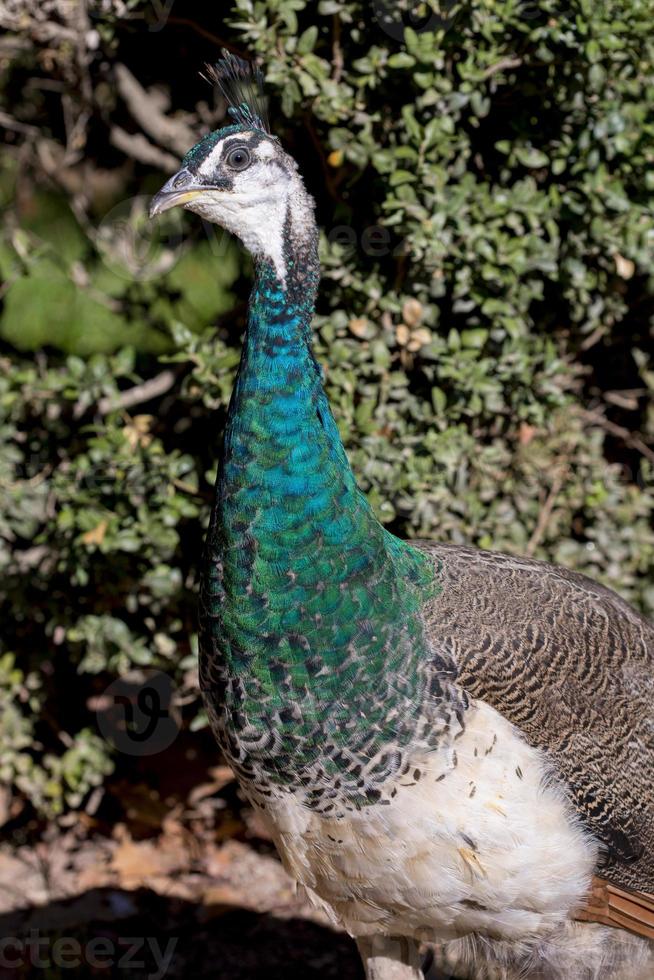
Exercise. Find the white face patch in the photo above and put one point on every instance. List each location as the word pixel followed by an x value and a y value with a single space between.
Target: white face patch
pixel 211 162
pixel 256 201
pixel 266 151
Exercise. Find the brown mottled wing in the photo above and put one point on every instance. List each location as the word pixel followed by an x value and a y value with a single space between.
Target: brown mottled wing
pixel 619 907
pixel 572 666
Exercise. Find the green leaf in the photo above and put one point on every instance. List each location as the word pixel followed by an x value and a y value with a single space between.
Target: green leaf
pixel 531 156
pixel 307 40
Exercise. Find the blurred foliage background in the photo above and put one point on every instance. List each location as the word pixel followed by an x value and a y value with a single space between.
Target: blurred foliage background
pixel 484 174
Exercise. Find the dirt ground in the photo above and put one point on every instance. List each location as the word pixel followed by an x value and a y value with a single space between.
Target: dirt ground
pixel 167 872
pixel 181 887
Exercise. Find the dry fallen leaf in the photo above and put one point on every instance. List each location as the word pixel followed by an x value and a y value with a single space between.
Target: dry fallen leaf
pixel 335 158
pixel 96 534
pixel 221 776
pixel 412 312
pixel 624 267
pixel 360 327
pixel 137 862
pixel 137 431
pixel 219 897
pixel 402 334
pixel 419 338
pixel 526 433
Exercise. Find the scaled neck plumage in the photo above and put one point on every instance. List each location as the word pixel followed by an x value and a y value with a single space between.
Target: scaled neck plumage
pixel 311 608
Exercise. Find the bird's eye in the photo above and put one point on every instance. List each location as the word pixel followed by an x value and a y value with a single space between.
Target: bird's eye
pixel 239 158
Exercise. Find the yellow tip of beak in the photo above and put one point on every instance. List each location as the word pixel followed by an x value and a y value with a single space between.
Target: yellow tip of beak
pixel 164 200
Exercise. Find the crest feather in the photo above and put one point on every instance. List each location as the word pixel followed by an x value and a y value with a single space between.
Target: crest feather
pixel 241 84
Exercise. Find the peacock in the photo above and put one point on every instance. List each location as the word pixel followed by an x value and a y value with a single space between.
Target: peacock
pixel 452 748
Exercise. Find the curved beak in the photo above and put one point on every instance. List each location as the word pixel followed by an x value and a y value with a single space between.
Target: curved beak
pixel 180 189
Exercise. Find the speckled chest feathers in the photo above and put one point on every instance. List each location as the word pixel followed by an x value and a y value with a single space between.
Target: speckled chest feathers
pixel 314 660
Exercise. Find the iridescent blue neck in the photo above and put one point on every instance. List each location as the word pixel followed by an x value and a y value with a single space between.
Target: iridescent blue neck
pixel 298 540
pixel 311 610
pixel 284 467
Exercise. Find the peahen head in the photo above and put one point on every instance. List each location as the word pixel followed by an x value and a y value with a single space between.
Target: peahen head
pixel 241 178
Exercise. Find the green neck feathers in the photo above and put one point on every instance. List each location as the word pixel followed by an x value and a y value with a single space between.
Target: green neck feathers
pixel 311 610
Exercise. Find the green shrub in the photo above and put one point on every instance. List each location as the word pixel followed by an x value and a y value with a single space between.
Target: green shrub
pixel 485 190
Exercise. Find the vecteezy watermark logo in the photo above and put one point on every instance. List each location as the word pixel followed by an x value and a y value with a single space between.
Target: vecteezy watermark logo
pixel 374 241
pixel 100 953
pixel 133 246
pixel 161 10
pixel 137 714
pixel 394 16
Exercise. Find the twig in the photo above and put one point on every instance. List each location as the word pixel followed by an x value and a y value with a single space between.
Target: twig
pixel 634 442
pixel 203 32
pixel 145 392
pixel 10 123
pixel 546 510
pixel 593 338
pixel 337 51
pixel 626 398
pixel 75 121
pixel 32 481
pixel 501 65
pixel 189 488
pixel 174 134
pixel 11 45
pixel 329 180
pixel 135 145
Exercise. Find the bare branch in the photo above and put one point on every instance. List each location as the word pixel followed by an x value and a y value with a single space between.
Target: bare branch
pixel 174 134
pixel 629 439
pixel 135 145
pixel 20 127
pixel 337 51
pixel 502 65
pixel 145 392
pixel 546 510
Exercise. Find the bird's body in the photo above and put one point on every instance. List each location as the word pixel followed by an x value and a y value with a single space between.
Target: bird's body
pixel 444 742
pixel 409 864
